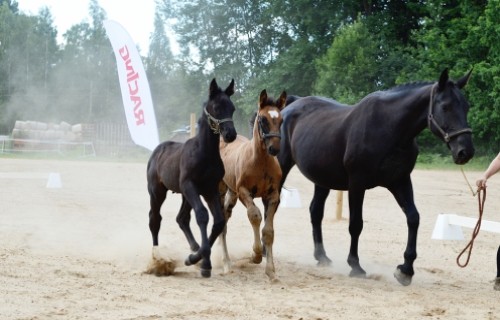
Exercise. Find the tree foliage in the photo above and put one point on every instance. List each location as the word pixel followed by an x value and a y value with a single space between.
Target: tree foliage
pixel 339 49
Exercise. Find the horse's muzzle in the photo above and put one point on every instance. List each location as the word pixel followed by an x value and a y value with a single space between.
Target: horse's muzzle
pixel 463 156
pixel 229 134
pixel 273 151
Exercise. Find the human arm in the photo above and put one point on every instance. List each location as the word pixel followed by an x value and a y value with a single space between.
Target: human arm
pixel 493 168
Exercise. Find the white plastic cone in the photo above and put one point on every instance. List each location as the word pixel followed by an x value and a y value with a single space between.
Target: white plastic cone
pixel 54 181
pixel 443 230
pixel 290 198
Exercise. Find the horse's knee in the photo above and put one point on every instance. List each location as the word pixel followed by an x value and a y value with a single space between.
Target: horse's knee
pixel 254 215
pixel 267 235
pixel 413 220
pixel 218 227
pixel 154 221
pixel 183 220
pixel 202 216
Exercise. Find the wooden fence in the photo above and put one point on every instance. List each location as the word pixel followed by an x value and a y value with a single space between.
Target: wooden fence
pixel 103 139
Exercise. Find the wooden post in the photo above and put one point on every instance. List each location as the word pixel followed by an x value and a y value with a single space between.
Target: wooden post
pixel 192 125
pixel 340 199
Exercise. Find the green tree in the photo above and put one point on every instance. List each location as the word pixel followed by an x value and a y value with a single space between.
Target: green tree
pixel 460 35
pixel 28 50
pixel 349 69
pixel 85 79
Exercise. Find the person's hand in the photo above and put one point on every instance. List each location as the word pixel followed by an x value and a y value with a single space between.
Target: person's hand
pixel 481 183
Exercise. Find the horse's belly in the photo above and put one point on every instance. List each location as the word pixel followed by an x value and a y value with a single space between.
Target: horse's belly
pixel 325 176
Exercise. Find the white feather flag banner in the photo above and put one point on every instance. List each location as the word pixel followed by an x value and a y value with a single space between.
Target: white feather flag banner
pixel 134 86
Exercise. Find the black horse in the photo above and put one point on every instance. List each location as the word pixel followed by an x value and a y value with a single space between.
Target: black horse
pixel 369 144
pixel 194 169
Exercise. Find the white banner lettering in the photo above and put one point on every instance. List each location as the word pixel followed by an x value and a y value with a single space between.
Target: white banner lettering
pixel 134 85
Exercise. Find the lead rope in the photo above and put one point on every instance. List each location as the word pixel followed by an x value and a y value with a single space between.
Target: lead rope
pixel 481 197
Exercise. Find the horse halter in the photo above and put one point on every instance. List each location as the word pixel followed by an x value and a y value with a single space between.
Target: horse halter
pixel 215 123
pixel 268 135
pixel 430 120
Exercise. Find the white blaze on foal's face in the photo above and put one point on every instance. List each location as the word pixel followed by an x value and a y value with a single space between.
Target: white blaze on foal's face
pixel 274 114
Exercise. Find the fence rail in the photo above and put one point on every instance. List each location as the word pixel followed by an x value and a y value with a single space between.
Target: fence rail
pixel 102 139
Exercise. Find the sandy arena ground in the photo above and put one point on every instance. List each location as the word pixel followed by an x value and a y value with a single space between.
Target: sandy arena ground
pixel 80 252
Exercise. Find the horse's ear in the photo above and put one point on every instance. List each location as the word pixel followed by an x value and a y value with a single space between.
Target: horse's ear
pixel 282 100
pixel 443 80
pixel 214 87
pixel 263 98
pixel 464 80
pixel 230 89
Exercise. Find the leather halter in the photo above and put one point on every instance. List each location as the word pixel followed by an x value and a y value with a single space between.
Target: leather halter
pixel 215 123
pixel 430 120
pixel 268 135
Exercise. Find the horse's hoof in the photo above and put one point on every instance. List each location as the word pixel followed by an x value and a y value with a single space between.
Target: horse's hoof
pixel 188 262
pixel 256 258
pixel 272 276
pixel 324 262
pixel 206 273
pixel 357 274
pixel 192 259
pixel 274 280
pixel 402 278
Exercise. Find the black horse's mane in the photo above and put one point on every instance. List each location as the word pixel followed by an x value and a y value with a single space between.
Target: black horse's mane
pixel 409 86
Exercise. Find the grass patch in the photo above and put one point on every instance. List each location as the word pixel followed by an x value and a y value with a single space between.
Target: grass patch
pixel 434 161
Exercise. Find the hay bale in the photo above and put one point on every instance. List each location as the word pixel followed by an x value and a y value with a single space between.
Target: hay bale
pixel 41 126
pixel 69 136
pixel 16 133
pixel 65 126
pixel 77 128
pixel 20 125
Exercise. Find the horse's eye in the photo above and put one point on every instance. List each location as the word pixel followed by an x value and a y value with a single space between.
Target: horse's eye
pixel 264 122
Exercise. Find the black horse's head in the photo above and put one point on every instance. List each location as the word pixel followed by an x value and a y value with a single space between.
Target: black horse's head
pixel 219 111
pixel 447 116
pixel 268 121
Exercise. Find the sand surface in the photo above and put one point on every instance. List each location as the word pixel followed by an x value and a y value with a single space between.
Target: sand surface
pixel 80 252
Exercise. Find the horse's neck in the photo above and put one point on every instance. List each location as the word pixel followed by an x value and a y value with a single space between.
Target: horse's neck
pixel 209 140
pixel 413 110
pixel 257 142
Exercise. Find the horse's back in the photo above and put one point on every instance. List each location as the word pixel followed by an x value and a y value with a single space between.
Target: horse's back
pixel 314 134
pixel 164 165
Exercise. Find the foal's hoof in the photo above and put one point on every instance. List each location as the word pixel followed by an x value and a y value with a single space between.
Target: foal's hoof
pixel 402 278
pixel 188 261
pixel 206 273
pixel 357 274
pixel 324 261
pixel 256 258
pixel 192 259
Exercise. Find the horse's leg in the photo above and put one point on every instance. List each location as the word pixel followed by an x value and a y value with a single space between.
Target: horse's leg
pixel 355 227
pixel 230 200
pixel 317 212
pixel 183 220
pixel 157 195
pixel 285 158
pixel 271 204
pixel 192 196
pixel 255 218
pixel 403 193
